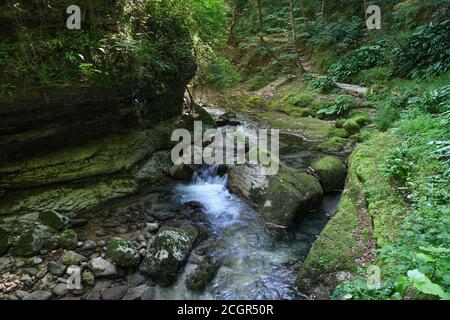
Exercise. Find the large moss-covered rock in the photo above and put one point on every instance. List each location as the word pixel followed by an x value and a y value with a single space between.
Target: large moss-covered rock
pixel 29 243
pixel 169 250
pixel 4 241
pixel 54 220
pixel 122 253
pixel 333 145
pixel 68 239
pixel 202 275
pixel 331 172
pixel 281 198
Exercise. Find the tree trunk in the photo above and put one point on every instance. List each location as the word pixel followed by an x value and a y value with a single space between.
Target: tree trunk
pixel 294 36
pixel 261 21
pixel 234 17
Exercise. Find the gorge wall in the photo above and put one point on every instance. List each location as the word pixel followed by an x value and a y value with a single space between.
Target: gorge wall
pixel 85 115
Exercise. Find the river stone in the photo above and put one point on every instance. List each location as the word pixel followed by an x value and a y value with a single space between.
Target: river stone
pixel 72 258
pixel 54 220
pixel 4 241
pixel 56 269
pixel 181 172
pixel 60 290
pixel 102 268
pixel 88 247
pixel 38 295
pixel 29 243
pixel 281 198
pixel 331 172
pixel 170 248
pixel 122 253
pixel 68 239
pixel 202 275
pixel 142 292
pixel 115 293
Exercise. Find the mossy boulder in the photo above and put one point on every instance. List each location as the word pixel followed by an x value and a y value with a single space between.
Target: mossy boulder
pixel 169 250
pixel 181 172
pixel 71 258
pixel 202 275
pixel 333 145
pixel 281 198
pixel 68 239
pixel 122 253
pixel 4 241
pixel 351 126
pixel 331 172
pixel 340 132
pixel 29 243
pixel 54 220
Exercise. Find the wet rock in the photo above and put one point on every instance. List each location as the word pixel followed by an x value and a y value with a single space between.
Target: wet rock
pixel 115 293
pixel 99 288
pixel 72 258
pixel 142 292
pixel 4 241
pixel 60 290
pixel 281 198
pixel 170 247
pixel 135 279
pixel 331 172
pixel 68 239
pixel 152 227
pixel 228 119
pixel 56 269
pixel 38 295
pixel 88 247
pixel 202 275
pixel 54 220
pixel 181 172
pixel 122 253
pixel 102 268
pixel 29 243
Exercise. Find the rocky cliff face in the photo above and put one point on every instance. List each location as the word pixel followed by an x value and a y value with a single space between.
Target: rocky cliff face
pixel 71 144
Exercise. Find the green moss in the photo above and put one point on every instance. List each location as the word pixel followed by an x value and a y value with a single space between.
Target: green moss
pixel 254 102
pixel 340 132
pixel 351 126
pixel 333 145
pixel 28 244
pixel 53 220
pixel 331 172
pixel 68 239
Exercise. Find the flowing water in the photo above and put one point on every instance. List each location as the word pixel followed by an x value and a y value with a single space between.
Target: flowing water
pixel 256 266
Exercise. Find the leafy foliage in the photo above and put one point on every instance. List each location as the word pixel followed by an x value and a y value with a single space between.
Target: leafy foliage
pixel 341 105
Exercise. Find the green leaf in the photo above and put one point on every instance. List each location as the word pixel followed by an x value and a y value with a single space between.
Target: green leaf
pixel 422 283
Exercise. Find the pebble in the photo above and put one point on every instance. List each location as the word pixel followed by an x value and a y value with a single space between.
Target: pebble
pixel 56 268
pixel 101 267
pixel 152 227
pixel 38 295
pixel 142 292
pixel 61 290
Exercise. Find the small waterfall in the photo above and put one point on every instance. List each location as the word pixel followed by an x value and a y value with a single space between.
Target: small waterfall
pixel 209 175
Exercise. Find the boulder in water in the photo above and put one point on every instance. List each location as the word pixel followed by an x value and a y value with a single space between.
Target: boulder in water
pixel 170 248
pixel 181 172
pixel 228 119
pixel 331 172
pixel 281 198
pixel 122 253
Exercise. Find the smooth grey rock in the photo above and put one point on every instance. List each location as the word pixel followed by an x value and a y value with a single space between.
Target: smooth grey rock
pixel 152 227
pixel 60 290
pixel 142 292
pixel 135 279
pixel 38 295
pixel 56 269
pixel 115 293
pixel 102 268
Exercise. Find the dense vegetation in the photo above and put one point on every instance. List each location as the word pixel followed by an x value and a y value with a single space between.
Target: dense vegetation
pixel 406 67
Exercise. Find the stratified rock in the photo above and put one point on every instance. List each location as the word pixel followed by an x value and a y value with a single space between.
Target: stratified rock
pixel 114 293
pixel 4 241
pixel 54 220
pixel 122 253
pixel 170 248
pixel 331 172
pixel 29 243
pixel 281 198
pixel 72 258
pixel 102 268
pixel 68 239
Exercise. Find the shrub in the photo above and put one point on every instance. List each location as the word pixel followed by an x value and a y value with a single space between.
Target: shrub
pixel 370 76
pixel 341 105
pixel 425 53
pixel 364 58
pixel 435 101
pixel 221 73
